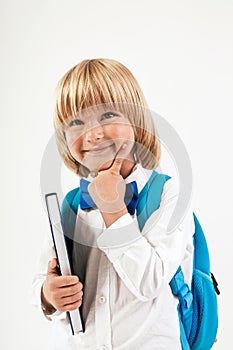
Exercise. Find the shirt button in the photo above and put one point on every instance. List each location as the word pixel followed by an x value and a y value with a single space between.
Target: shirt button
pixel 102 301
pixel 103 347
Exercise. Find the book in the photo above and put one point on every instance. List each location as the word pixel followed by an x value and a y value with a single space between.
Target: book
pixel 54 216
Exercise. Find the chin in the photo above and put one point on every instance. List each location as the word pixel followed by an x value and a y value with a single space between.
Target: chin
pixel 105 166
pixel 97 165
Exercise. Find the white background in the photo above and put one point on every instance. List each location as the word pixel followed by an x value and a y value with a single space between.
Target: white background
pixel 180 52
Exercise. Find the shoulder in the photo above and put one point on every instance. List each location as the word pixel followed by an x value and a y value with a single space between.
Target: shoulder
pixel 176 194
pixel 174 209
pixel 171 189
pixel 165 184
pixel 177 199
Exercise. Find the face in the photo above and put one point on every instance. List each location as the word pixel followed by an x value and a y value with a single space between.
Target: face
pixel 97 135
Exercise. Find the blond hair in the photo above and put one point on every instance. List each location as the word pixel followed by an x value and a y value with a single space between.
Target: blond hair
pixel 105 81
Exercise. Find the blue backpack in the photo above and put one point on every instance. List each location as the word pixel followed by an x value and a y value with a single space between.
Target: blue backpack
pixel 197 307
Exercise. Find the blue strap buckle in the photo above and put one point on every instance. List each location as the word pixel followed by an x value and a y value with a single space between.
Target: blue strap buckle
pixel 185 297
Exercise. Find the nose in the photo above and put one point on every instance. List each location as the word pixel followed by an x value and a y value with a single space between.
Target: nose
pixel 94 134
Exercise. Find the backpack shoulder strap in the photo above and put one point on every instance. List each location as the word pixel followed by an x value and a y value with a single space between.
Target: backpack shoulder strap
pixel 201 253
pixel 69 211
pixel 150 196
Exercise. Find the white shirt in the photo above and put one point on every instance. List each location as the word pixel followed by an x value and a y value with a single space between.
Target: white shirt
pixel 127 300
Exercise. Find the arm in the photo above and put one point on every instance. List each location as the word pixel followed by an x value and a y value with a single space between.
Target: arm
pixel 147 260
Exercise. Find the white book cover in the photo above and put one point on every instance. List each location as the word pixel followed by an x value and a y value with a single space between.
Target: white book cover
pixel 54 215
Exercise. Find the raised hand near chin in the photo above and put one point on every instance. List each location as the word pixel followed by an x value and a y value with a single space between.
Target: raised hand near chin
pixel 108 190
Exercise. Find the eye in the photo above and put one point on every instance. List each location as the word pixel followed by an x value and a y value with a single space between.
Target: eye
pixel 108 115
pixel 76 122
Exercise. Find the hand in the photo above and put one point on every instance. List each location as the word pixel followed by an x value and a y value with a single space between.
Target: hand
pixel 108 189
pixel 62 293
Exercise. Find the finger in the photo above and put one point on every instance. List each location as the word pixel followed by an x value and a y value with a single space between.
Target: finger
pixel 116 166
pixel 117 162
pixel 72 298
pixel 71 290
pixel 67 281
pixel 52 267
pixel 70 307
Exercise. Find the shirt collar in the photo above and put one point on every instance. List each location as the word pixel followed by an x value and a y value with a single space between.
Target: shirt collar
pixel 140 175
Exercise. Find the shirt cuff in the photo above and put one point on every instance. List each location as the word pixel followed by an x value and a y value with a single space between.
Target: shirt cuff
pixel 118 237
pixel 124 220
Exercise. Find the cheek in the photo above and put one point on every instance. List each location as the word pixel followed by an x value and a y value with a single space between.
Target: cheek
pixel 75 148
pixel 130 133
pixel 120 132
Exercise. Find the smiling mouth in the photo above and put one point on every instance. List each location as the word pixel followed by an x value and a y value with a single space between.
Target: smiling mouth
pixel 99 150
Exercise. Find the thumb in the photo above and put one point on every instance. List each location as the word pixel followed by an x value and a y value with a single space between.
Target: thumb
pixel 52 267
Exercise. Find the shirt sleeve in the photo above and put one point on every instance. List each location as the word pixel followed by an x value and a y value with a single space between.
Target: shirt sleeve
pixel 47 253
pixel 148 259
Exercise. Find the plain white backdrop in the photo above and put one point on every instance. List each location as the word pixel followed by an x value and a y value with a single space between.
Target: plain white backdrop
pixel 181 53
